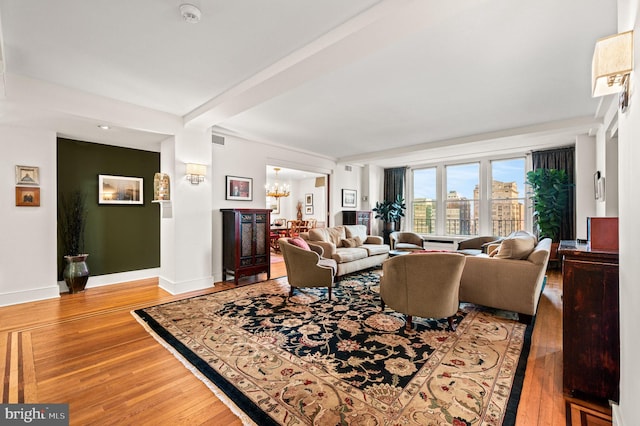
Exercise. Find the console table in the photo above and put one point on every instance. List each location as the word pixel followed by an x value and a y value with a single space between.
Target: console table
pixel 591 332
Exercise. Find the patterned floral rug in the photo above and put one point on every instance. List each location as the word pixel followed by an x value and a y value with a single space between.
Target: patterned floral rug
pixel 308 360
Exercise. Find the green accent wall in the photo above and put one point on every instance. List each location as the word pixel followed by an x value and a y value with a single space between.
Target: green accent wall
pixel 118 238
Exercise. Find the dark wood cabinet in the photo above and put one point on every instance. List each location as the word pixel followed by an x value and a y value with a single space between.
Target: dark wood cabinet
pixel 355 217
pixel 245 242
pixel 591 331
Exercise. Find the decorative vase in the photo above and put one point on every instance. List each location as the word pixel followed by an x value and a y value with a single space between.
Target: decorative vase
pixel 299 214
pixel 76 273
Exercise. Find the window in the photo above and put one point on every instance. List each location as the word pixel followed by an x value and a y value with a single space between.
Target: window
pixel 424 201
pixel 507 196
pixel 462 199
pixel 487 197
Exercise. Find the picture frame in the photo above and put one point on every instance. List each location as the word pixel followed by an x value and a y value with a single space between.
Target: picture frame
pixel 273 203
pixel 308 199
pixel 349 198
pixel 599 186
pixel 308 210
pixel 123 190
pixel 27 175
pixel 239 188
pixel 27 196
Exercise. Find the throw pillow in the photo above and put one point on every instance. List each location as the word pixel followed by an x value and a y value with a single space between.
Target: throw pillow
pixel 351 242
pixel 517 247
pixel 299 242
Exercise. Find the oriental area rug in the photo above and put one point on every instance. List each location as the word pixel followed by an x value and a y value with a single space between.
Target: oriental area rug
pixel 309 360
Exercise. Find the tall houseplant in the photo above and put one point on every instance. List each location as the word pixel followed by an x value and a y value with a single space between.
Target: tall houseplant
pixel 72 217
pixel 390 212
pixel 549 196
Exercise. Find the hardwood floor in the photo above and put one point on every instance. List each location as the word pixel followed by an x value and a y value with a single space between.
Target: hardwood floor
pixel 87 350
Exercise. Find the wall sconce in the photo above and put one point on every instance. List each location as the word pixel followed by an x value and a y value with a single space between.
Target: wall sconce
pixel 196 172
pixel 611 66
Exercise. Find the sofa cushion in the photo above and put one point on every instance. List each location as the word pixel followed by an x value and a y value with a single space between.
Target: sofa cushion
pixel 374 249
pixel 299 242
pixel 353 231
pixel 333 235
pixel 516 246
pixel 352 242
pixel 349 254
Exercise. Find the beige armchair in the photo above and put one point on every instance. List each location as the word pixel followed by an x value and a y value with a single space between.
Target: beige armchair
pixel 477 245
pixel 307 268
pixel 423 284
pixel 405 241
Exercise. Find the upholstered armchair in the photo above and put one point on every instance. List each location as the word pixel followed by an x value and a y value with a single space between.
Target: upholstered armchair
pixel 476 245
pixel 305 265
pixel 405 241
pixel 423 284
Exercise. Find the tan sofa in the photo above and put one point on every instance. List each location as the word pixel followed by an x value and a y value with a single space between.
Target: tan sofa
pixel 512 284
pixel 350 246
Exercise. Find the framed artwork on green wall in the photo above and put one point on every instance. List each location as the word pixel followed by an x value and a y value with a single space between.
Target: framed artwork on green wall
pixel 120 190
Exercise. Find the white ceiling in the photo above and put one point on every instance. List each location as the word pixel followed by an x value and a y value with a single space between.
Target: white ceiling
pixel 352 80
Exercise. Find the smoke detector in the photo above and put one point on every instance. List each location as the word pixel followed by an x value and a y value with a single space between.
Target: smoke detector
pixel 190 13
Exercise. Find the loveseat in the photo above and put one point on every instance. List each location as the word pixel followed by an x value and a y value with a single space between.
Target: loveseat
pixel 350 246
pixel 509 278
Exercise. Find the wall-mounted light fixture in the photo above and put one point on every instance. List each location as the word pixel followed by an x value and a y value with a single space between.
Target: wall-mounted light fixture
pixel 196 172
pixel 611 66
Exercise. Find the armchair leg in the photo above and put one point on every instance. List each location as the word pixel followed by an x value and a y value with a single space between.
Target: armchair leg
pixel 409 325
pixel 452 324
pixel 382 304
pixel 290 290
pixel 329 292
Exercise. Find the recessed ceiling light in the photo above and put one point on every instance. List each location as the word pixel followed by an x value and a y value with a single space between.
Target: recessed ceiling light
pixel 190 13
pixel 104 126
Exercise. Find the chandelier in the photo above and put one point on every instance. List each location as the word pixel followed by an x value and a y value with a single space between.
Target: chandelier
pixel 276 190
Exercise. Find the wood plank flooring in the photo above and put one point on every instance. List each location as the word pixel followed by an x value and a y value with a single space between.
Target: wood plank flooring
pixel 87 350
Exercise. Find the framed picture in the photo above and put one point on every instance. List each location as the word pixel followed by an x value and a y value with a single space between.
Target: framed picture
pixel 349 198
pixel 239 188
pixel 27 197
pixel 308 199
pixel 273 203
pixel 120 190
pixel 308 210
pixel 27 175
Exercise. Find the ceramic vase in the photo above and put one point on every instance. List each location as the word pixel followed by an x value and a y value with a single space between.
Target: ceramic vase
pixel 76 272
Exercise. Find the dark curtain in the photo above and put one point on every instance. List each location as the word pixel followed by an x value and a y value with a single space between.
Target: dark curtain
pixel 394 185
pixel 561 159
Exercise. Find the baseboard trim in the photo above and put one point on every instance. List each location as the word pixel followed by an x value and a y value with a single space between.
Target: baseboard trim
pixel 31 295
pixel 185 286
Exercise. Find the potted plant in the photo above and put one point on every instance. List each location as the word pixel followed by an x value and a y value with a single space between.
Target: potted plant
pixel 549 196
pixel 390 212
pixel 72 216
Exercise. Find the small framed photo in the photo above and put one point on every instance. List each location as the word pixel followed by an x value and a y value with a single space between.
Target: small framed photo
pixel 349 198
pixel 308 210
pixel 308 199
pixel 120 190
pixel 273 203
pixel 239 188
pixel 27 175
pixel 27 196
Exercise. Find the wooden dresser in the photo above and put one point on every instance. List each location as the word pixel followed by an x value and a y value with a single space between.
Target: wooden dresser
pixel 245 242
pixel 591 331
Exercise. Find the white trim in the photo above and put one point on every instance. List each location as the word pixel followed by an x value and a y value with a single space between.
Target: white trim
pixel 174 287
pixel 32 295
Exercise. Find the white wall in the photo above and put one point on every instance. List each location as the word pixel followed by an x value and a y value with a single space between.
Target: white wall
pixel 585 196
pixel 28 253
pixel 628 413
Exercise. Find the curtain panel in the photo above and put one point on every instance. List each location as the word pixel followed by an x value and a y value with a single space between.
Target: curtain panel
pixel 394 185
pixel 561 159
